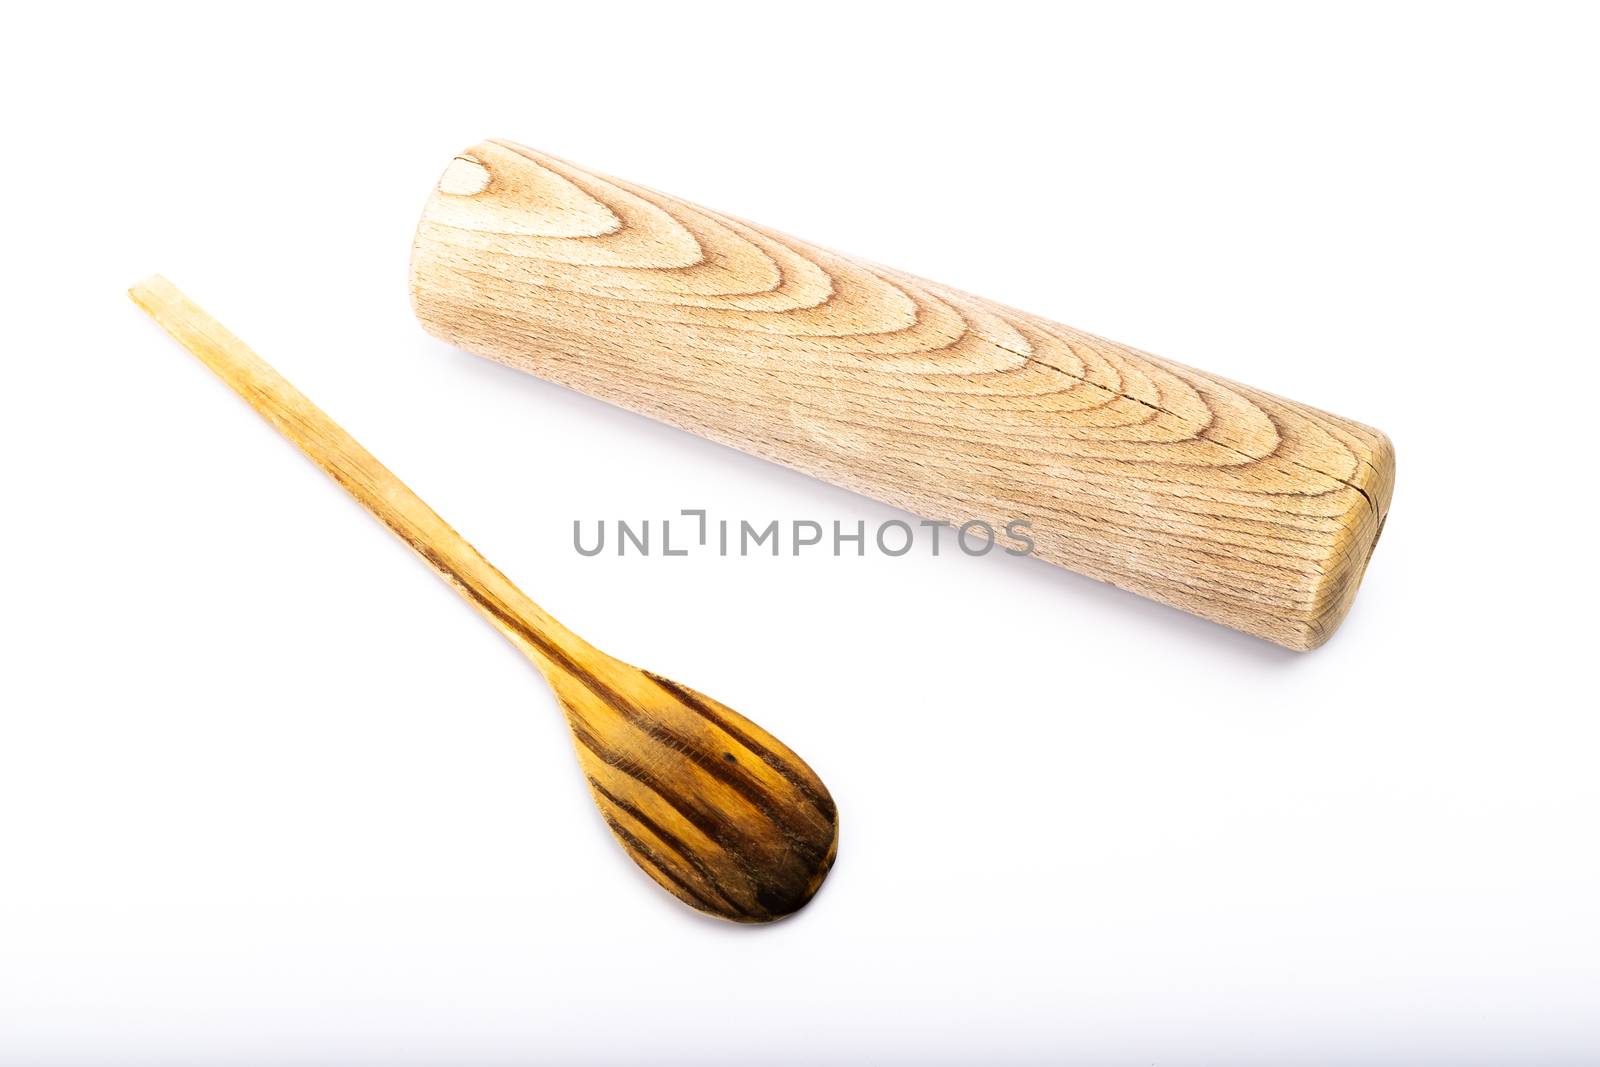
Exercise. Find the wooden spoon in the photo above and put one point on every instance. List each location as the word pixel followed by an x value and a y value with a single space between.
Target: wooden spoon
pixel 718 811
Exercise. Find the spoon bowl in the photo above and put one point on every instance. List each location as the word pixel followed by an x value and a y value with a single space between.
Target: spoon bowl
pixel 720 813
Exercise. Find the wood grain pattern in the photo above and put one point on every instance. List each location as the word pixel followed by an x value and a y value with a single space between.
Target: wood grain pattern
pixel 718 811
pixel 1219 499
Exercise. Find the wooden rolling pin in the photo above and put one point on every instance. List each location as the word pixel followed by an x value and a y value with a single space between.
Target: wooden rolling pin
pixel 1236 505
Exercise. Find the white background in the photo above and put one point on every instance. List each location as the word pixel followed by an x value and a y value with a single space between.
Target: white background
pixel 270 793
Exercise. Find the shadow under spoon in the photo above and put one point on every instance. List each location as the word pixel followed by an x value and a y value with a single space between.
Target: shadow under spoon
pixel 715 809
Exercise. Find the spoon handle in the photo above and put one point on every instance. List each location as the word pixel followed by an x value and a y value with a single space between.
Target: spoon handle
pixel 523 622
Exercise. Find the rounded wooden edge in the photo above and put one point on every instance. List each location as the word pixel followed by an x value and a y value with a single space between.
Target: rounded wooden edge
pixel 464 175
pixel 1348 557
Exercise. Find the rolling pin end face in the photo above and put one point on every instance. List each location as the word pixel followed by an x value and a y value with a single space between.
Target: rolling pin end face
pixel 464 176
pixel 1341 572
